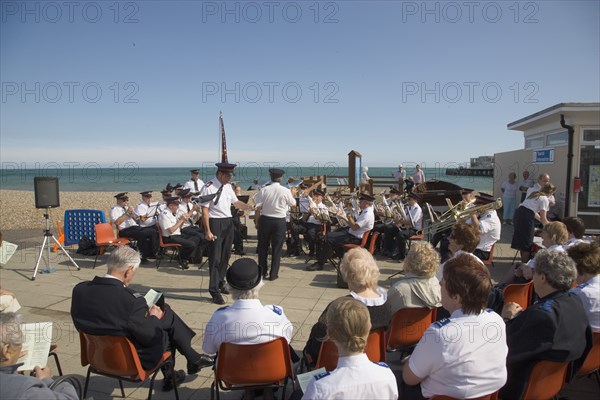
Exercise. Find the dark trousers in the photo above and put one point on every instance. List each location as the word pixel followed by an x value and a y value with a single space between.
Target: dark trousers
pixel 180 336
pixel 334 243
pixel 238 243
pixel 270 231
pixel 395 239
pixel 189 244
pixel 482 255
pixel 310 232
pixel 196 233
pixel 219 252
pixel 147 239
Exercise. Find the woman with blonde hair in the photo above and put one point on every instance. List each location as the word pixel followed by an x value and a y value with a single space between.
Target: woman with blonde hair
pixel 419 287
pixel 348 326
pixel 534 207
pixel 360 271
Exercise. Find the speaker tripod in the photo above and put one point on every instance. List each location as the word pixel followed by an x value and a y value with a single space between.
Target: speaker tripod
pixel 47 244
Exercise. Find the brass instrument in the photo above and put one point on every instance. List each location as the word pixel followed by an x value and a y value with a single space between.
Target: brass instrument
pixel 314 210
pixel 455 216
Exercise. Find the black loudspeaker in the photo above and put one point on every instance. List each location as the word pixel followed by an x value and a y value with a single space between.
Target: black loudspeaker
pixel 46 191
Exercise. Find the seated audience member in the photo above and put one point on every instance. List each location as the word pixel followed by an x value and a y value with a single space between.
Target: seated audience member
pixel 419 287
pixel 463 356
pixel 17 386
pixel 247 320
pixel 554 234
pixel 575 229
pixel 107 306
pixel 462 240
pixel 554 328
pixel 489 226
pixel 355 377
pixel 360 271
pixel 587 262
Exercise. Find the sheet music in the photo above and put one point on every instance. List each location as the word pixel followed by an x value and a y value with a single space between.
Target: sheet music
pixel 37 338
pixel 152 297
pixel 6 251
pixel 305 378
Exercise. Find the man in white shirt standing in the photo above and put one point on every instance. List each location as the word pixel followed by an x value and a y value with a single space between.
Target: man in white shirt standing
pixel 195 184
pixel 272 203
pixel 399 176
pixel 525 184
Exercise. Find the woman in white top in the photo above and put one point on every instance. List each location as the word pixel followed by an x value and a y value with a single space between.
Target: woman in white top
pixel 587 261
pixel 535 207
pixel 356 377
pixel 509 197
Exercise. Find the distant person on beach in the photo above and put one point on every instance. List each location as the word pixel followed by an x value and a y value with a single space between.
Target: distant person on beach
pixel 145 212
pixel 18 386
pixel 195 184
pixel 218 227
pixel 525 184
pixel 419 175
pixel 509 198
pixel 107 306
pixel 124 218
pixel 399 176
pixel 273 202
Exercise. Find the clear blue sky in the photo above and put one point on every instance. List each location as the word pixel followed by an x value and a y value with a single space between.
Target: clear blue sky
pixel 398 81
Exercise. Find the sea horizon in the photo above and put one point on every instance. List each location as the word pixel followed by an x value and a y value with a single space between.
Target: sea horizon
pixel 133 178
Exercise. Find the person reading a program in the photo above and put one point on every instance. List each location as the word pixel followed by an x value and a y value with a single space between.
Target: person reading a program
pixel 107 306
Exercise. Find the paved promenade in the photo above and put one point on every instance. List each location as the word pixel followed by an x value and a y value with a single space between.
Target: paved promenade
pixel 302 294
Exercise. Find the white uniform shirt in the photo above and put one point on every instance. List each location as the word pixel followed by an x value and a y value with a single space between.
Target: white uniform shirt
pixel 143 210
pixel 190 185
pixel 356 377
pixel 166 219
pixel 223 208
pixel 304 204
pixel 535 205
pixel 573 242
pixel 274 200
pixel 323 210
pixel 418 177
pixel 246 322
pixel 415 214
pixel 555 247
pixel 440 272
pixel 116 212
pixel 365 221
pixel 463 356
pixel 162 206
pixel 536 188
pixel 589 293
pixel 184 208
pixel 489 230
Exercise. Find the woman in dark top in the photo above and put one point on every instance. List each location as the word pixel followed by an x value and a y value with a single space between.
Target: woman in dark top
pixel 361 273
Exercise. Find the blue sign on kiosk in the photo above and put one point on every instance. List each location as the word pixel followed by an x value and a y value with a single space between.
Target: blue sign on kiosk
pixel 545 156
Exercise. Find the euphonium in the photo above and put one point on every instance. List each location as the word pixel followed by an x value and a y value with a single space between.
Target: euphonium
pixel 455 216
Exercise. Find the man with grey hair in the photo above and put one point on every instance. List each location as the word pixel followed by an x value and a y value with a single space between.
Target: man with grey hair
pixel 554 328
pixel 246 321
pixel 17 386
pixel 107 306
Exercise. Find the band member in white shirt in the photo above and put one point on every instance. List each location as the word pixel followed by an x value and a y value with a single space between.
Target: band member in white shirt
pixel 145 210
pixel 170 221
pixel 396 234
pixel 489 227
pixel 272 204
pixel 195 184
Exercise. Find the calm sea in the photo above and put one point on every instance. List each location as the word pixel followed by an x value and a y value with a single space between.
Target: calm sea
pixel 132 178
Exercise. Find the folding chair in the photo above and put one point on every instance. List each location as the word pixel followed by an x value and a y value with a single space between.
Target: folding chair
pixel 408 326
pixel 105 237
pixel 368 242
pixel 546 380
pixel 252 366
pixel 53 354
pixel 375 350
pixel 591 365
pixel 519 293
pixel 61 236
pixel 116 357
pixel 174 247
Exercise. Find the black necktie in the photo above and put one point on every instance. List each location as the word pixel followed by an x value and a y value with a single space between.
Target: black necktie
pixel 195 187
pixel 218 194
pixel 188 206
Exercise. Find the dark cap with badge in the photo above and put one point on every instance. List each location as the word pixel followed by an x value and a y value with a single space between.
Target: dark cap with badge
pixel 367 197
pixel 276 172
pixel 195 171
pixel 225 167
pixel 172 199
pixel 146 194
pixel 395 191
pixel 244 274
pixel 185 193
pixel 484 198
pixel 415 196
pixel 464 191
pixel 318 192
pixel 121 196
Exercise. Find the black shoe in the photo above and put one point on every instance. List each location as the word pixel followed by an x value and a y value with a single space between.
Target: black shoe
pixel 144 260
pixel 168 382
pixel 315 267
pixel 203 362
pixel 273 277
pixel 218 299
pixel 223 289
pixel 239 252
pixel 184 265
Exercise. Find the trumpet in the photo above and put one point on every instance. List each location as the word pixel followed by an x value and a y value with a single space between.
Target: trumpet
pixel 456 216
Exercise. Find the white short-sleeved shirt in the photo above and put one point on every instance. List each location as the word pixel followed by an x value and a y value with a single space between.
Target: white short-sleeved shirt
pixel 463 356
pixel 190 185
pixel 536 205
pixel 554 247
pixel 116 212
pixel 356 377
pixel 365 221
pixel 490 228
pixel 246 322
pixel 223 207
pixel 143 209
pixel 274 200
pixel 573 242
pixel 510 189
pixel 589 293
pixel 166 219
pixel 185 208
pixel 323 210
pixel 416 216
pixel 536 188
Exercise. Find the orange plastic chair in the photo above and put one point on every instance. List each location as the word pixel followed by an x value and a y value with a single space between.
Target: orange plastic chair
pixel 519 293
pixel 418 236
pixel 252 366
pixel 490 261
pixel 491 396
pixel 591 365
pixel 105 237
pixel 408 326
pixel 174 247
pixel 546 380
pixel 375 350
pixel 61 236
pixel 116 357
